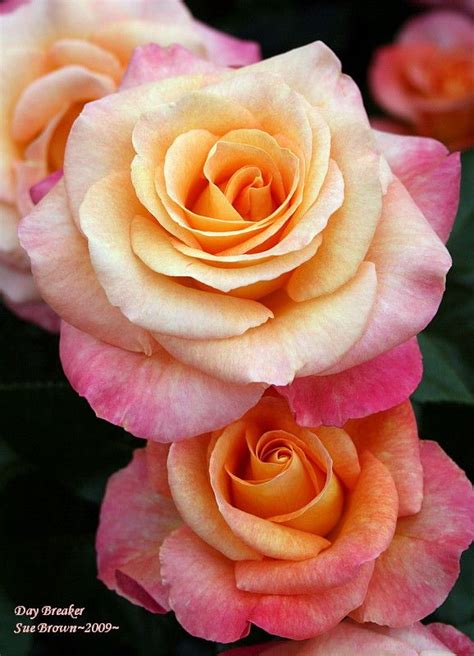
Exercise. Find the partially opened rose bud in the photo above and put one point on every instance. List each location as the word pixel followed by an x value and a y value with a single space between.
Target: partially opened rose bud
pixel 288 528
pixel 56 56
pixel 427 77
pixel 218 233
pixel 349 638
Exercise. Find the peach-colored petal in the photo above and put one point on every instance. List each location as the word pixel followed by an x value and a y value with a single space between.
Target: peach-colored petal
pixel 48 95
pixel 66 52
pixel 266 537
pixel 154 247
pixel 365 532
pixel 411 264
pixel 20 66
pixel 108 123
pixel 152 396
pixel 54 244
pixel 345 460
pixel 413 577
pixel 298 338
pixel 148 299
pixel 429 173
pixel 225 49
pixel 156 458
pixel 195 500
pixel 358 391
pixel 134 521
pixel 392 437
pixel 202 588
pixel 314 72
pixel 150 63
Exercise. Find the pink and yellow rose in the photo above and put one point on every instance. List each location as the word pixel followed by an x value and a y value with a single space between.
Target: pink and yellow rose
pixel 291 529
pixel 218 233
pixel 349 638
pixel 57 55
pixel 426 77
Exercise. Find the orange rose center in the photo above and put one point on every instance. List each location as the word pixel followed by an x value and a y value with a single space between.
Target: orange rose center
pixel 282 478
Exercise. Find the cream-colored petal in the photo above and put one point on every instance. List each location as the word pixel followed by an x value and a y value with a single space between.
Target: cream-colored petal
pixel 49 94
pixel 146 298
pixel 66 52
pixel 299 340
pixel 153 246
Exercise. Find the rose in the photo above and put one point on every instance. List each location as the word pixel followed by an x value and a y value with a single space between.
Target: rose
pixel 217 234
pixel 370 640
pixel 287 528
pixel 55 56
pixel 427 78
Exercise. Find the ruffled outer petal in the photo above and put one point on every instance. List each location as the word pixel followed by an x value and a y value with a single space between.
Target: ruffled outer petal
pixel 134 520
pixel 459 643
pixel 413 577
pixel 430 174
pixel 392 437
pixel 362 390
pixel 54 245
pixel 152 396
pixel 348 638
pixel 213 594
pixel 151 63
pixel 411 264
pixel 225 49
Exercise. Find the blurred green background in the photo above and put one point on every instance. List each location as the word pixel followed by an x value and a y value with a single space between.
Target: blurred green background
pixel 55 456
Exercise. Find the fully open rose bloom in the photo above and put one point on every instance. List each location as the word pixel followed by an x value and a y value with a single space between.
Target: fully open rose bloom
pixel 427 77
pixel 348 639
pixel 288 528
pixel 55 56
pixel 216 234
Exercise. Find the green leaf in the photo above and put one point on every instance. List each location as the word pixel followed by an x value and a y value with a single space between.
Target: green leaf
pixel 445 376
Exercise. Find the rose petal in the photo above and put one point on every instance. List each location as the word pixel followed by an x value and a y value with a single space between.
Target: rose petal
pixel 202 588
pixel 148 299
pixel 196 502
pixel 226 49
pixel 134 521
pixel 459 643
pixel 362 390
pixel 54 244
pixel 155 397
pixel 304 616
pixel 300 337
pixel 151 63
pixel 392 437
pixel 365 532
pixel 411 264
pixel 413 577
pixel 429 173
pixel 37 312
pixel 40 189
